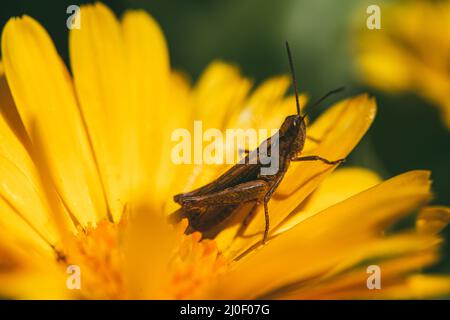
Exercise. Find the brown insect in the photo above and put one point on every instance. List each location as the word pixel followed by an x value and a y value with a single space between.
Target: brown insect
pixel 210 205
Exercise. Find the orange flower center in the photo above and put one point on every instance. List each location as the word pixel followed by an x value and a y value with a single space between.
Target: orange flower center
pixel 99 254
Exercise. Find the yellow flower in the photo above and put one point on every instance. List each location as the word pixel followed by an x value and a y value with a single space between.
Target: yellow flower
pixel 87 181
pixel 411 51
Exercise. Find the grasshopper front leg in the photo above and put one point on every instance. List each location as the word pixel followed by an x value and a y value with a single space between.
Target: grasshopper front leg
pixel 318 158
pixel 274 185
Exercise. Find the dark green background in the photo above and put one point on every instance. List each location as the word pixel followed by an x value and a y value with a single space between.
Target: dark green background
pixel 407 133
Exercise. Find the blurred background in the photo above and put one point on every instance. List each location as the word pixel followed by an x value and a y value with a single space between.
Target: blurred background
pixel 409 131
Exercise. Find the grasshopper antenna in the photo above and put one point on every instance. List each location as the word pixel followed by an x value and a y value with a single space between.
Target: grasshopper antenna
pixel 294 79
pixel 323 98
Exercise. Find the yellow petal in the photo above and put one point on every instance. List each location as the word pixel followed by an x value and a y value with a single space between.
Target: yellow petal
pixel 218 96
pixel 321 241
pixel 265 100
pixel 148 246
pixel 47 285
pixel 353 284
pixel 20 235
pixel 20 193
pixel 278 111
pixel 392 246
pixel 332 190
pixel 337 270
pixel 156 115
pixel 419 287
pixel 219 91
pixel 389 73
pixel 10 116
pixel 370 211
pixel 19 180
pixel 98 61
pixel 43 93
pixel 179 177
pixel 433 219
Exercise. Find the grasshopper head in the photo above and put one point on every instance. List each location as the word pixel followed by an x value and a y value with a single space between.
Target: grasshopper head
pixel 293 130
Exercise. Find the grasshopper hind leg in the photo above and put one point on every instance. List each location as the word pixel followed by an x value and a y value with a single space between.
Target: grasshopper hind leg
pixel 266 216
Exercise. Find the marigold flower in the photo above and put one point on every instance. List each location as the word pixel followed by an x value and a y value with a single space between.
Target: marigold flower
pixel 411 52
pixel 87 181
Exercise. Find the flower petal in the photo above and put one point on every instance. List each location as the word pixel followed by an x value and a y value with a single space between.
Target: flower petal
pixel 326 238
pixel 353 284
pixel 331 265
pixel 148 246
pixel 19 233
pixel 19 185
pixel 334 189
pixel 433 219
pixel 102 82
pixel 219 91
pixel 43 285
pixel 43 93
pixel 219 94
pixel 154 110
pixel 418 287
pixel 8 111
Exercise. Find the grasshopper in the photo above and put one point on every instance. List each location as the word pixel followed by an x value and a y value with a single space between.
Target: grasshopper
pixel 208 206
